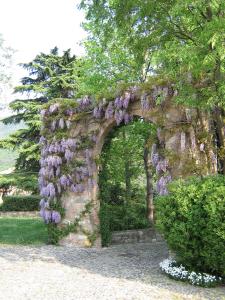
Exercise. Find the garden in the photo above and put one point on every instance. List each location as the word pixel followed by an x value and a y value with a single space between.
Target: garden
pixel 128 137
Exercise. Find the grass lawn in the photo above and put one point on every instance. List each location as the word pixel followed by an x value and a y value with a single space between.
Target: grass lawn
pixel 22 231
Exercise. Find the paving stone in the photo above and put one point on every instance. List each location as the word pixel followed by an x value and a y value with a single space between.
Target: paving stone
pixel 120 272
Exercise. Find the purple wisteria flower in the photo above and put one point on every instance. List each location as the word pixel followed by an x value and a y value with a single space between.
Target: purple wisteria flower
pixel 69 155
pixel 43 204
pixel 145 102
pixel 74 188
pixel 109 111
pixel 162 183
pixel 54 161
pixel 43 112
pixel 64 181
pixel 44 192
pixel 53 108
pixel 162 166
pixel 51 190
pixel 98 112
pixel 118 103
pixel 127 118
pixel 119 115
pixel 42 140
pixel 55 217
pixel 50 173
pixel 154 155
pixel 155 159
pixel 85 103
pixel 126 101
pixel 69 112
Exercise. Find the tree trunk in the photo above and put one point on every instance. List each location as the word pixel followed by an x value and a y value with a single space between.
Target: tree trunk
pixel 149 185
pixel 219 129
pixel 127 172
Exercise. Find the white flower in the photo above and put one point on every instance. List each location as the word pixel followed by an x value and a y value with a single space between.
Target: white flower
pixel 170 267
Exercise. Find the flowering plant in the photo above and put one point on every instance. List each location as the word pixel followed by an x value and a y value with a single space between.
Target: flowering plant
pixel 179 272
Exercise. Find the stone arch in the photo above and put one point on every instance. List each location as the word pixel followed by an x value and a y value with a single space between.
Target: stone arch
pixel 179 141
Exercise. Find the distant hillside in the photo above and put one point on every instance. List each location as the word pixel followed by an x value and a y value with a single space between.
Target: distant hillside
pixel 6 130
pixel 7 157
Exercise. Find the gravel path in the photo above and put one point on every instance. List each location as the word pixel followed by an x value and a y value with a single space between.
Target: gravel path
pixel 121 272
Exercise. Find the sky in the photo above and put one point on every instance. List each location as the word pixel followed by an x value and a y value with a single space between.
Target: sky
pixel 34 26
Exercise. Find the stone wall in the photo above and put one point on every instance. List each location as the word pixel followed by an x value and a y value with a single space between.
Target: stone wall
pixel 135 236
pixel 184 141
pixel 29 214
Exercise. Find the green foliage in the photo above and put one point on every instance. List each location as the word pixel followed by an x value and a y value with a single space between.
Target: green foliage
pixel 122 179
pixel 20 203
pixel 25 181
pixel 105 222
pixel 122 172
pixel 192 219
pixel 180 40
pixel 120 217
pixel 22 231
pixel 50 76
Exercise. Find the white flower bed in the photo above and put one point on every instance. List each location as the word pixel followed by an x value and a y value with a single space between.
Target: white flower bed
pixel 179 272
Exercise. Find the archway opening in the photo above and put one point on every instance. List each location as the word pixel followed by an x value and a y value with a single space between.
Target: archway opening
pixel 126 179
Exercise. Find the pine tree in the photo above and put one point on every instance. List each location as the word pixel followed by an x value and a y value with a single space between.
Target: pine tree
pixel 50 76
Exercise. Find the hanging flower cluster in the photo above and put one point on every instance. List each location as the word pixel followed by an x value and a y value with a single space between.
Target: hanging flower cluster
pixel 162 170
pixel 117 109
pixel 61 166
pixel 158 95
pixel 49 216
pixel 60 169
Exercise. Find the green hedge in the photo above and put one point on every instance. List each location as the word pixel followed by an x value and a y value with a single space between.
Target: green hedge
pixel 192 219
pixel 20 203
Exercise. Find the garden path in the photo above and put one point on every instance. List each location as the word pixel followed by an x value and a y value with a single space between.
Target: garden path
pixel 126 272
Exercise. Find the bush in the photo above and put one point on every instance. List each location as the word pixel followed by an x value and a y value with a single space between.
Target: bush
pixel 192 219
pixel 20 203
pixel 114 217
pixel 24 181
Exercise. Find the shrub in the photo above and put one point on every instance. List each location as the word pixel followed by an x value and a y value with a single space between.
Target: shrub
pixel 192 219
pixel 105 230
pixel 114 217
pixel 24 181
pixel 20 203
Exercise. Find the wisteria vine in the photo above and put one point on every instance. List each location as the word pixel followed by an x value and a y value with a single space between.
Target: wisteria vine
pixel 62 169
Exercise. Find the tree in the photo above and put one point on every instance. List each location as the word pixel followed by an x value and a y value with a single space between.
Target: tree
pixel 171 37
pixel 50 76
pixel 180 41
